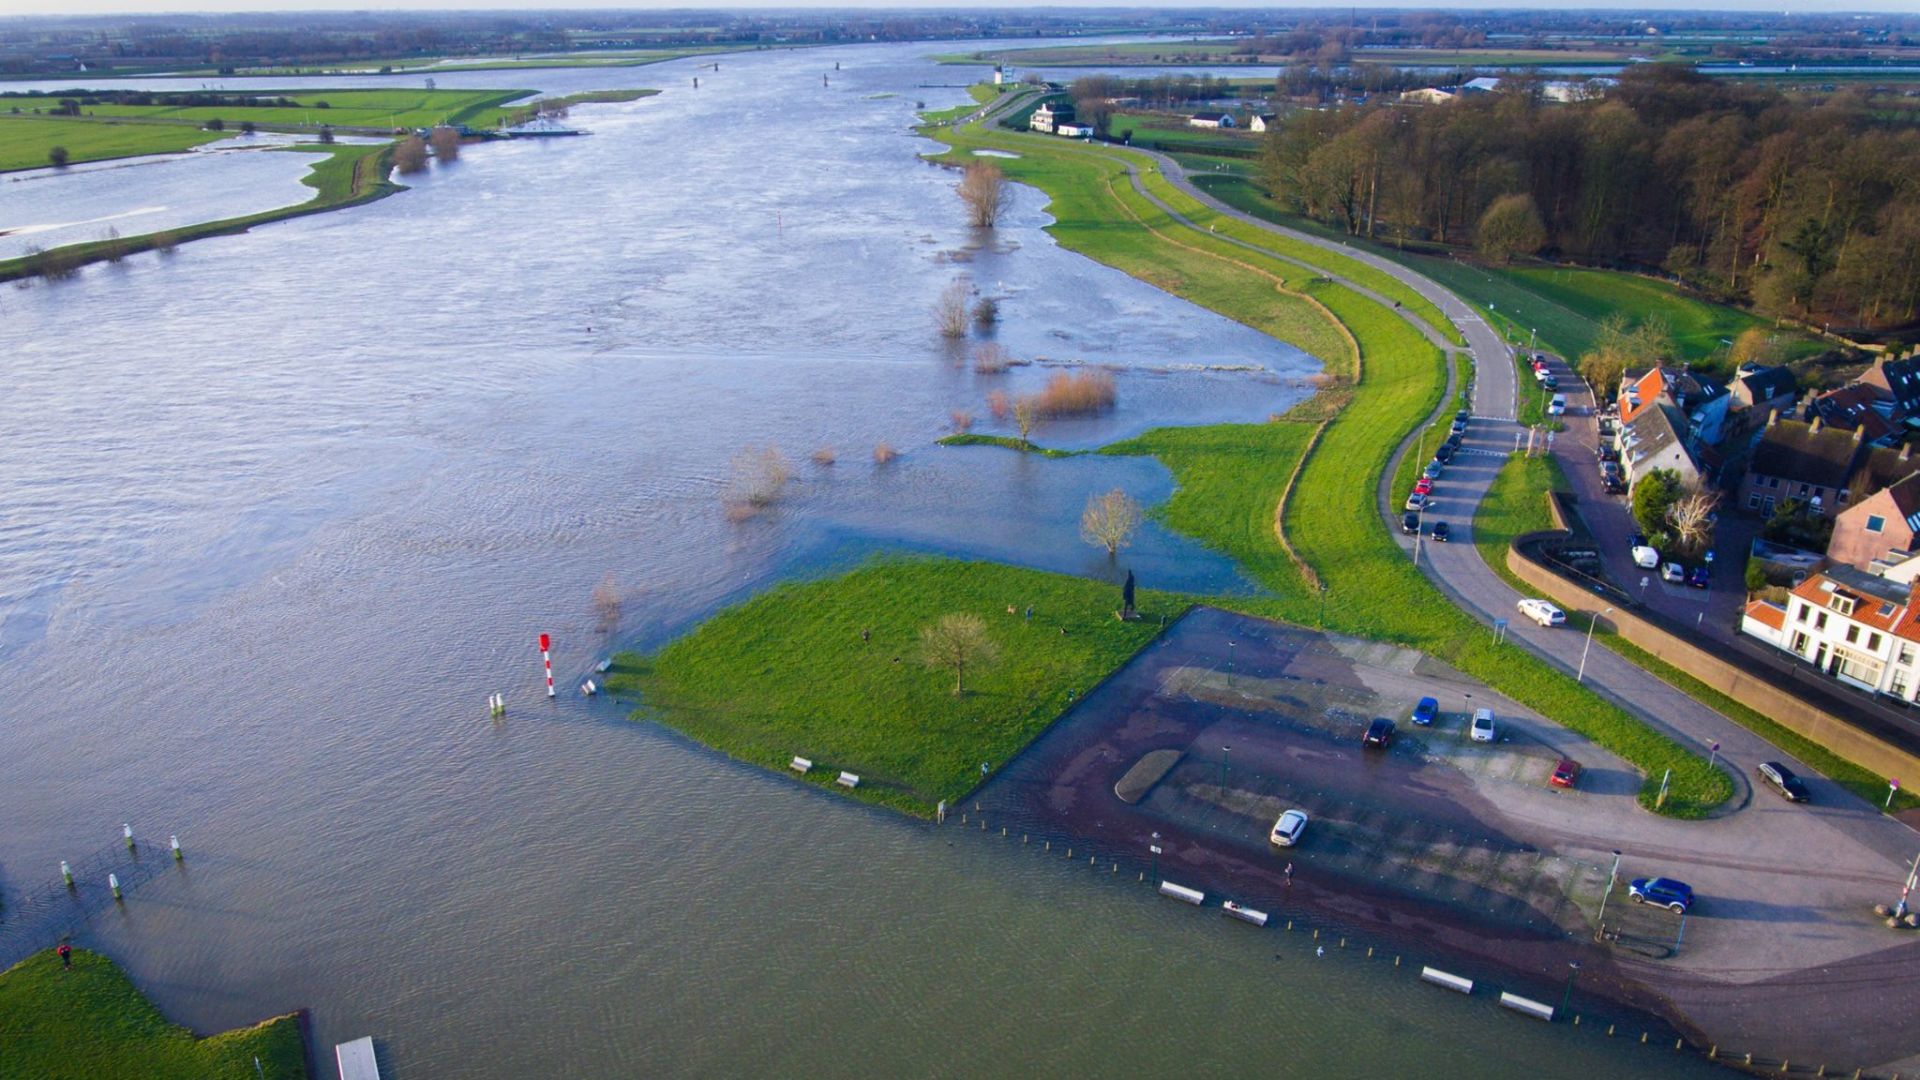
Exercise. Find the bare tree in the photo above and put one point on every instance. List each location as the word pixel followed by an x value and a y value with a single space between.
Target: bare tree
pixel 606 605
pixel 884 454
pixel 1691 516
pixel 446 144
pixel 1109 521
pixel 410 156
pixel 825 456
pixel 758 478
pixel 958 642
pixel 950 311
pixel 999 403
pixel 983 187
pixel 1026 413
pixel 991 358
pixel 961 419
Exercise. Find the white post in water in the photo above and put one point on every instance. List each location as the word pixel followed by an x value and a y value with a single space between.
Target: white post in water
pixel 126 830
pixel 113 882
pixel 546 658
pixel 174 842
pixel 66 873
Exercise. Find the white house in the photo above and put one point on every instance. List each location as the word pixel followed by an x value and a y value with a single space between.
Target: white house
pixel 1070 130
pixel 1857 628
pixel 999 75
pixel 1050 115
pixel 1210 120
pixel 1430 95
pixel 1260 122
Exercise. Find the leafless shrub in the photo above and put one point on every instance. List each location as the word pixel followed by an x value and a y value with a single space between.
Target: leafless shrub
pixel 607 602
pixel 991 358
pixel 1000 404
pixel 759 476
pixel 884 454
pixel 986 312
pixel 1077 394
pixel 983 187
pixel 961 419
pixel 950 311
pixel 824 456
pixel 1109 521
pixel 410 156
pixel 114 245
pixel 446 143
pixel 166 243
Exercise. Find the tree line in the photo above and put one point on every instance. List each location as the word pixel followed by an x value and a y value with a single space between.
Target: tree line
pixel 1799 207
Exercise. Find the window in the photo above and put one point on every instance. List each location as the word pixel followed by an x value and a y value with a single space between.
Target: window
pixel 1804 610
pixel 1853 634
pixel 1820 623
pixel 1899 686
pixel 1873 642
pixel 1906 653
pixel 1875 523
pixel 1753 500
pixel 1842 604
pixel 1841 498
pixel 1803 491
pixel 1767 507
pixel 1799 642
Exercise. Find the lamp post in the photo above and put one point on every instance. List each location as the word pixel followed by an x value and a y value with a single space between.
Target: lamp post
pixel 1155 849
pixel 1573 973
pixel 1229 665
pixel 1323 605
pixel 1612 876
pixel 1591 622
pixel 1224 751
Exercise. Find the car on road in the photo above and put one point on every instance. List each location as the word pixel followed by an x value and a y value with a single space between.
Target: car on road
pixel 1481 729
pixel 1781 779
pixel 1410 524
pixel 1423 486
pixel 1558 406
pixel 1644 557
pixel 1459 428
pixel 1542 612
pixel 1608 455
pixel 1441 532
pixel 1416 501
pixel 1287 830
pixel 1675 896
pixel 1699 577
pixel 1433 470
pixel 1444 454
pixel 1426 711
pixel 1674 572
pixel 1379 733
pixel 1565 774
pixel 1635 540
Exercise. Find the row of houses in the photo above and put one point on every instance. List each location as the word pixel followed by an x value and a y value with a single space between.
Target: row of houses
pixel 1057 118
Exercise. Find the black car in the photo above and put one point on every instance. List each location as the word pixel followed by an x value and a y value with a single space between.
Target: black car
pixel 1608 453
pixel 1781 779
pixel 1379 733
pixel 1444 454
pixel 1441 532
pixel 1635 540
pixel 1613 484
pixel 1550 383
pixel 1410 523
pixel 1462 415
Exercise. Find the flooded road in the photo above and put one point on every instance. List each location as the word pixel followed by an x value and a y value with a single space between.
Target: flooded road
pixel 281 510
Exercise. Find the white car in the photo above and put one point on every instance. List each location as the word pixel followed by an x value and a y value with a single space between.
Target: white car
pixel 1286 831
pixel 1482 727
pixel 1645 558
pixel 1674 572
pixel 1558 406
pixel 1542 612
pixel 1416 501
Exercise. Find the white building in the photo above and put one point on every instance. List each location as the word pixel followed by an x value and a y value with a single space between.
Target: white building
pixel 1210 120
pixel 1071 130
pixel 1049 116
pixel 1854 627
pixel 1260 122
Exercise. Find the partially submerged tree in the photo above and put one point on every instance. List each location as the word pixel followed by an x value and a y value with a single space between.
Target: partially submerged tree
pixel 958 642
pixel 410 156
pixel 446 143
pixel 759 476
pixel 983 187
pixel 950 311
pixel 1109 521
pixel 607 602
pixel 1026 413
pixel 991 358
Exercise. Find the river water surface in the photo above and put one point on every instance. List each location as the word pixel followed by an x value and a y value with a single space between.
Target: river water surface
pixel 280 510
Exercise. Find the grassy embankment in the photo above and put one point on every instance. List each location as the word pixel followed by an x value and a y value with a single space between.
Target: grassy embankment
pixel 91 1023
pixel 1218 53
pixel 525 111
pixel 1231 482
pixel 342 108
pixel 1172 133
pixel 443 65
pixel 1517 504
pixel 347 176
pixel 25 141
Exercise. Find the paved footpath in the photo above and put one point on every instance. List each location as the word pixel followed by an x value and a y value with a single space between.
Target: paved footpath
pixel 1810 873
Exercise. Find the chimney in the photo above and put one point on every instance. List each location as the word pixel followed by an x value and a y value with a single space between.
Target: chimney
pixel 1815 426
pixel 1905 449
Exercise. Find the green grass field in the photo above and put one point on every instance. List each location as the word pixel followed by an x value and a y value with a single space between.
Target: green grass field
pixel 788 674
pixel 1171 133
pixel 436 66
pixel 345 108
pixel 91 1023
pixel 25 140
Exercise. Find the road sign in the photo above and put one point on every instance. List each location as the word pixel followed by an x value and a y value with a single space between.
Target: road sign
pixel 1709 556
pixel 1154 848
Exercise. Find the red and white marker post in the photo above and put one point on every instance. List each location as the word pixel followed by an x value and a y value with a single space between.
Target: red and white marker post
pixel 546 646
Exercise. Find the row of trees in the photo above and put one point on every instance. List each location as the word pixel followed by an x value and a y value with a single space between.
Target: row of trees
pixel 1803 209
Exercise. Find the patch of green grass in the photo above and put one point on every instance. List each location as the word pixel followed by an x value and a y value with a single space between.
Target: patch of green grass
pixel 520 114
pixel 1515 504
pixel 788 674
pixel 26 140
pixel 1007 441
pixel 345 107
pixel 948 115
pixel 1172 133
pixel 91 1023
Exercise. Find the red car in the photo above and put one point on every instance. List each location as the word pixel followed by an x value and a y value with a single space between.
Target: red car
pixel 1565 773
pixel 1424 487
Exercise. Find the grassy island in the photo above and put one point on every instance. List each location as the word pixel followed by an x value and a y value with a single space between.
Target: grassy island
pixel 91 1023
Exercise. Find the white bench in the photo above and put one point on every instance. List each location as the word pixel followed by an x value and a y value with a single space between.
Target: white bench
pixel 1244 913
pixel 1530 1007
pixel 848 780
pixel 1181 892
pixel 1446 980
pixel 800 765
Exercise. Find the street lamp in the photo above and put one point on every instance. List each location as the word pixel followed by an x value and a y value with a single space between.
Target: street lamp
pixel 1612 876
pixel 1573 973
pixel 1229 665
pixel 1323 605
pixel 1155 849
pixel 1224 751
pixel 1592 620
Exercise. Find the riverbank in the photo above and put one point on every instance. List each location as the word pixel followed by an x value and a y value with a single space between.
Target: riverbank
pixel 90 1023
pixel 30 142
pixel 349 176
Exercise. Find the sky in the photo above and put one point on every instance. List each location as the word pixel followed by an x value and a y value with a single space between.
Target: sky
pixel 145 7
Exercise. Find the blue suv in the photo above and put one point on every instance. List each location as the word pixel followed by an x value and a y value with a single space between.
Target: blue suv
pixel 1424 713
pixel 1675 896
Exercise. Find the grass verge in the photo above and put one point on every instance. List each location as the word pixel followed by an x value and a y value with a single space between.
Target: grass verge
pixel 789 673
pixel 25 141
pixel 91 1022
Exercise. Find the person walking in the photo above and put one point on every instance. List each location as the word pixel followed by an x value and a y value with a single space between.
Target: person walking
pixel 1289 873
pixel 66 955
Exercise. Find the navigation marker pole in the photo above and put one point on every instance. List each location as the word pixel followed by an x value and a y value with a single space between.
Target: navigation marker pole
pixel 546 658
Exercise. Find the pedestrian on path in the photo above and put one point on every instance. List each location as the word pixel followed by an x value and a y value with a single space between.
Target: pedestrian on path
pixel 1289 872
pixel 66 955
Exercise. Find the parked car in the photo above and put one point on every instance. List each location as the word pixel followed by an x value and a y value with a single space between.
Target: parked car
pixel 1644 557
pixel 1565 774
pixel 1441 532
pixel 1426 711
pixel 1379 733
pixel 1699 577
pixel 1410 524
pixel 1608 454
pixel 1287 830
pixel 1606 429
pixel 1676 896
pixel 1613 484
pixel 1462 415
pixel 1423 486
pixel 1540 373
pixel 1481 729
pixel 1444 454
pixel 1454 441
pixel 1673 571
pixel 1781 779
pixel 1415 501
pixel 1558 406
pixel 1550 384
pixel 1542 612
pixel 1432 471
pixel 1635 540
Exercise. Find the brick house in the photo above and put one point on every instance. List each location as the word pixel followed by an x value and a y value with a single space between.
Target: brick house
pixel 1808 463
pixel 1898 381
pixel 1762 389
pixel 1878 531
pixel 1656 439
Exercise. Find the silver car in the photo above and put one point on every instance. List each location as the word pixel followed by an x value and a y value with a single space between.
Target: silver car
pixel 1286 831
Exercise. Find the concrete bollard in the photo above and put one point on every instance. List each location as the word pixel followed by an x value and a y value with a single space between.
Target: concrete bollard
pixel 1713 1052
pixel 1049 846
pixel 174 842
pixel 1343 943
pixel 1316 935
pixel 1369 952
pixel 66 873
pixel 1289 924
pixel 1396 961
pixel 1069 853
pixel 1024 838
pixel 1609 1031
pixel 1643 1038
pixel 1576 1019
pixel 983 824
pixel 113 882
pixel 127 831
pixel 1003 830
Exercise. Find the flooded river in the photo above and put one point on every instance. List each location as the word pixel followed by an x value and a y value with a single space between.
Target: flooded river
pixel 281 510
